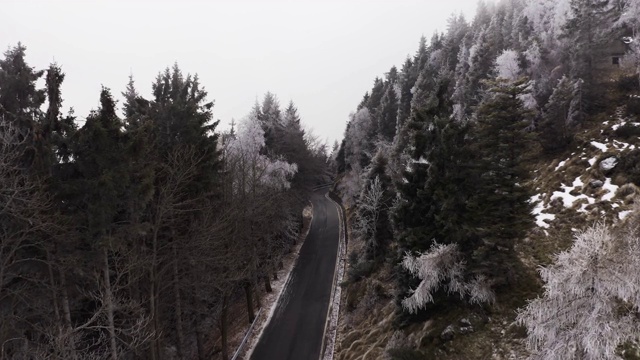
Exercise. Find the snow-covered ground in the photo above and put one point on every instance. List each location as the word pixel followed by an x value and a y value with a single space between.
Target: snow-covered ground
pixel 575 192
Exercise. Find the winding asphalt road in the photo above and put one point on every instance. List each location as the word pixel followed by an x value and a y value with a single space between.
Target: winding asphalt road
pixel 296 329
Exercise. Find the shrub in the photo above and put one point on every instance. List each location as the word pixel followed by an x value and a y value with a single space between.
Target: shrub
pixel 633 106
pixel 628 83
pixel 358 271
pixel 627 131
pixel 626 190
pixel 630 166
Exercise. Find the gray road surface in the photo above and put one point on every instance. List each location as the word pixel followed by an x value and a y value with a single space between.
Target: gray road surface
pixel 296 328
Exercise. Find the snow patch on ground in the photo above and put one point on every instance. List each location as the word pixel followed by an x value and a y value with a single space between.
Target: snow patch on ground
pixel 568 199
pixel 623 214
pixel 619 145
pixel 600 146
pixel 611 188
pixel 592 161
pixel 541 217
pixel 561 164
pixel 616 126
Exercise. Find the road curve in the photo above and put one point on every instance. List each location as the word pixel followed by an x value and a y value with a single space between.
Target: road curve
pixel 296 329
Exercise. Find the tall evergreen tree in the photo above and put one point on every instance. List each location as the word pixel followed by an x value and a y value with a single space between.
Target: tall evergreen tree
pixel 20 100
pixel 502 145
pixel 561 116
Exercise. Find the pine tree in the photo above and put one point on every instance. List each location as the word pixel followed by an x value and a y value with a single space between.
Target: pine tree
pixel 388 114
pixel 99 186
pixel 502 145
pixel 181 116
pixel 561 117
pixel 20 100
pixel 590 25
pixel 57 130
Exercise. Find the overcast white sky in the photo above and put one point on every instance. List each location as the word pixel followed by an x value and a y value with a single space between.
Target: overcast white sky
pixel 323 55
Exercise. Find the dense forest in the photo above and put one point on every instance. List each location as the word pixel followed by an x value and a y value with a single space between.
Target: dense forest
pixel 129 236
pixel 490 186
pixel 441 169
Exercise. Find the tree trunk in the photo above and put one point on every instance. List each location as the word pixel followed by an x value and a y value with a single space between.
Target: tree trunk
pixel 195 303
pixel 110 308
pixel 153 306
pixel 56 309
pixel 224 327
pixel 267 283
pixel 249 295
pixel 66 309
pixel 256 288
pixel 178 304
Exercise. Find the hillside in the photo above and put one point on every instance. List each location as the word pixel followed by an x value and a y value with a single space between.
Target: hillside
pixel 592 181
pixel 498 166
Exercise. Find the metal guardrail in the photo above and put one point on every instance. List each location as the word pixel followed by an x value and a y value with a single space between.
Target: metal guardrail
pixel 246 336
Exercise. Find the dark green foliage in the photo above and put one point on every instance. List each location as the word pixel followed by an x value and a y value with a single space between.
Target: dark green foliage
pixel 57 129
pixel 628 131
pixel 360 269
pixel 376 95
pixel 100 170
pixel 20 101
pixel 408 76
pixel 181 116
pixel 587 29
pixel 388 114
pixel 561 117
pixel 628 83
pixel 502 145
pixel 629 165
pixel 633 106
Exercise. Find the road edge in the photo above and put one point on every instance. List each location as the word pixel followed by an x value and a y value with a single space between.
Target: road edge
pixel 331 322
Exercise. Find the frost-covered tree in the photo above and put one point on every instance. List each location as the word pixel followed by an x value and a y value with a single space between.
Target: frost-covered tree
pixel 443 266
pixel 589 26
pixel 360 138
pixel 591 301
pixel 508 65
pixel 373 208
pixel 254 168
pixel 547 17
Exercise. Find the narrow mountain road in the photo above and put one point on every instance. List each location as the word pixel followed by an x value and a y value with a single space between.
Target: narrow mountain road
pixel 296 329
